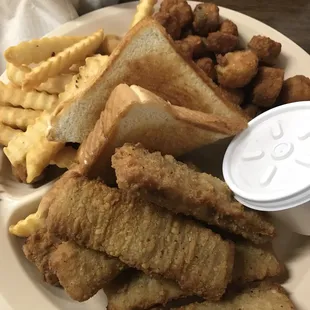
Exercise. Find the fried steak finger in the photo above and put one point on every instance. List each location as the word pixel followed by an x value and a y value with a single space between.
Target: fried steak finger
pixel 38 249
pixel 82 272
pixel 265 296
pixel 141 292
pixel 142 236
pixel 253 263
pixel 172 185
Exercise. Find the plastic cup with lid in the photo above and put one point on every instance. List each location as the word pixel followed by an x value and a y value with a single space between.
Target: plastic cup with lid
pixel 267 166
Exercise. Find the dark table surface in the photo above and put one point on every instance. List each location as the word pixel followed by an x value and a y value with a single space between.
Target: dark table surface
pixel 290 17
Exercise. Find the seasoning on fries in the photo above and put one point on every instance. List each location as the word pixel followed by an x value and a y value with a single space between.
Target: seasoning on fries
pixel 38 50
pixel 63 60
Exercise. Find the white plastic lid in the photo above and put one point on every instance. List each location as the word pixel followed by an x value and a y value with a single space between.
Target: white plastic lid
pixel 270 160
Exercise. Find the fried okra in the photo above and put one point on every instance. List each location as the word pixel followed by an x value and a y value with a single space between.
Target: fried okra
pixel 199 48
pixel 236 69
pixel 267 86
pixel 229 27
pixel 170 23
pixel 180 9
pixel 265 48
pixel 206 18
pixel 206 64
pixel 296 88
pixel 220 42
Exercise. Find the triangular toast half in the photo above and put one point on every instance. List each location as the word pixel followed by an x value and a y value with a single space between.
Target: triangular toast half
pixel 134 114
pixel 146 57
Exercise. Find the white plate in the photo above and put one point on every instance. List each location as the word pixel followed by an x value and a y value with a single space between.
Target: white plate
pixel 20 283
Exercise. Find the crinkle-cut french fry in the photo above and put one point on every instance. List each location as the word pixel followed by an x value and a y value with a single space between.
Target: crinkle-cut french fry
pixel 29 100
pixel 29 225
pixel 7 134
pixel 39 157
pixel 18 118
pixel 16 74
pixel 54 85
pixel 93 68
pixel 65 158
pixel 38 50
pixel 63 60
pixel 109 43
pixel 32 148
pixel 144 8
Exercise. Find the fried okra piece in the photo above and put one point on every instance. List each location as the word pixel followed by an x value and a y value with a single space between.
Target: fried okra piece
pixel 267 86
pixel 207 65
pixel 233 95
pixel 220 43
pixel 180 9
pixel 229 27
pixel 170 23
pixel 236 69
pixel 296 88
pixel 199 48
pixel 184 48
pixel 206 18
pixel 265 48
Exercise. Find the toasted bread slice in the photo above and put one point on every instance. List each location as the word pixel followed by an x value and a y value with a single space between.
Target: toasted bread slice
pixel 134 114
pixel 146 57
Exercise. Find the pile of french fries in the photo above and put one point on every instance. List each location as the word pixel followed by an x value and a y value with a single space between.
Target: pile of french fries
pixel 43 74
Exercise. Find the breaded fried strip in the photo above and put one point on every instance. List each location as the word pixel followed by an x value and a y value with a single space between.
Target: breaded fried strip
pixel 171 184
pixel 141 291
pixel 38 249
pixel 253 263
pixel 142 236
pixel 82 272
pixel 263 297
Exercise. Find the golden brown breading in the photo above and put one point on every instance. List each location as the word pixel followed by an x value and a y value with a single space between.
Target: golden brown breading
pixel 235 95
pixel 142 236
pixel 38 249
pixel 199 49
pixel 267 86
pixel 184 48
pixel 296 88
pixel 206 64
pixel 253 263
pixel 266 49
pixel 206 18
pixel 220 42
pixel 172 185
pixel 180 9
pixel 139 291
pixel 82 272
pixel 236 69
pixel 227 26
pixel 170 23
pixel 264 296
